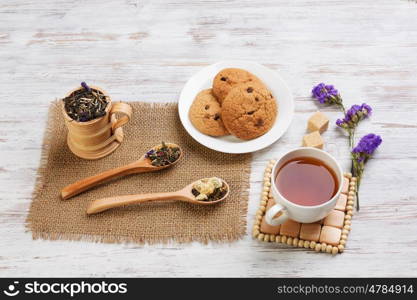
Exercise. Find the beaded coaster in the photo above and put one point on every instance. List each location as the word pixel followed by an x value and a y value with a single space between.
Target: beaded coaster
pixel 327 235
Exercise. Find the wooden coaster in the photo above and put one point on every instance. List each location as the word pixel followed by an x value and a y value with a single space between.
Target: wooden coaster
pixel 327 235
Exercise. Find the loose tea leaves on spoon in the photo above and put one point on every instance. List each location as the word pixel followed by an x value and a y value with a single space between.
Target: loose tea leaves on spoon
pixel 86 104
pixel 163 155
pixel 209 189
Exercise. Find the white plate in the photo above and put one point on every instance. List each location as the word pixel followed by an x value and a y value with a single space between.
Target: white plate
pixel 229 144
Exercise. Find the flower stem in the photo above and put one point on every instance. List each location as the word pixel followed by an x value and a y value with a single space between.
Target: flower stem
pixel 357 195
pixel 342 108
pixel 357 171
pixel 351 137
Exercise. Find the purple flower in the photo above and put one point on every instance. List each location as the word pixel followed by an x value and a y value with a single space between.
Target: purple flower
pixel 339 122
pixel 85 86
pixel 360 154
pixel 351 114
pixel 366 109
pixel 326 94
pixel 150 152
pixel 366 147
pixel 83 117
pixel 354 115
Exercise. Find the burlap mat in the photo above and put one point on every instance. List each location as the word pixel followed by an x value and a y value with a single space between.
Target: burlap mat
pixel 51 218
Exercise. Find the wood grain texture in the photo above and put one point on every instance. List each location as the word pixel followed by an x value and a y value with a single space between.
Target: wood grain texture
pixel 146 50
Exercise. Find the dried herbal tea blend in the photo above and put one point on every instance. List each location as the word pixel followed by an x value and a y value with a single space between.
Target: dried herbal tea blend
pixel 86 104
pixel 209 189
pixel 163 155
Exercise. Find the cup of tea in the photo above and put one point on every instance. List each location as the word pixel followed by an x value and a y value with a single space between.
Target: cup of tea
pixel 305 183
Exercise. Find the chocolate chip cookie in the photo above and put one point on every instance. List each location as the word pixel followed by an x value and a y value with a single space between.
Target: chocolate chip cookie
pixel 249 110
pixel 205 114
pixel 226 79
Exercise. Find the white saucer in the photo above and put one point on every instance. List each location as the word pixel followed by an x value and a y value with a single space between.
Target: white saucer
pixel 229 144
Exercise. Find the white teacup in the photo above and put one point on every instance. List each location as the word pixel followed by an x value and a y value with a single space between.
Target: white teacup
pixel 285 209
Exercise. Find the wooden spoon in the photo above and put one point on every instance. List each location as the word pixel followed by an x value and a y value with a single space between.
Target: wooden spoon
pixel 184 195
pixel 142 165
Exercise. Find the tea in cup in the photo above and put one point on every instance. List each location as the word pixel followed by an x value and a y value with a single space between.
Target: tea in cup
pixel 305 183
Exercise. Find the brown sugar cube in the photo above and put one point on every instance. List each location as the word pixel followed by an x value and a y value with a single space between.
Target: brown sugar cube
pixel 266 228
pixel 335 218
pixel 318 122
pixel 313 139
pixel 290 228
pixel 330 235
pixel 345 185
pixel 310 232
pixel 341 202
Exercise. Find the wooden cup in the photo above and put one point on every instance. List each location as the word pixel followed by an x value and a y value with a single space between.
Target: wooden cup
pixel 99 137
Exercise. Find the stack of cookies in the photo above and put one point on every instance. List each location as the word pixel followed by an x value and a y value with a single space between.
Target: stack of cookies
pixel 238 104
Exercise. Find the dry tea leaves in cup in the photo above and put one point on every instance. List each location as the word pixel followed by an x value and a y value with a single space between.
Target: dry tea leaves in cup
pixel 86 104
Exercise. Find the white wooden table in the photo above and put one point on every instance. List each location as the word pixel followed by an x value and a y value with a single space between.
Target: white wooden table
pixel 146 50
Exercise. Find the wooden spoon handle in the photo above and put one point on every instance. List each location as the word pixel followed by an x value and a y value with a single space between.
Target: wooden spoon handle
pixel 89 182
pixel 106 203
